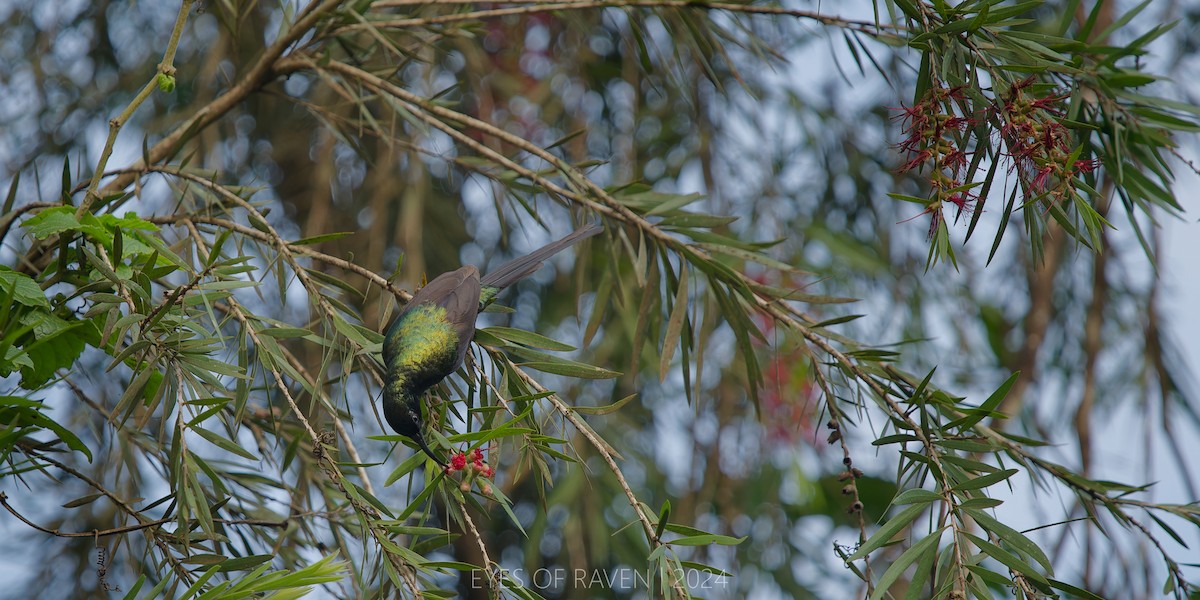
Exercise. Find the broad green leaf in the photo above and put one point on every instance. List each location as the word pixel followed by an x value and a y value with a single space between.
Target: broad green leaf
pixel 24 289
pixel 52 221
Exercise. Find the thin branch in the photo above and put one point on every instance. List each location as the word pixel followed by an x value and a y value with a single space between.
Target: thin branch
pixel 114 126
pixel 605 451
pixel 325 462
pixel 129 528
pixel 868 27
pixel 494 582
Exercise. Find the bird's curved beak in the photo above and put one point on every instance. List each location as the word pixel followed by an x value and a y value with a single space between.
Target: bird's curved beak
pixel 420 440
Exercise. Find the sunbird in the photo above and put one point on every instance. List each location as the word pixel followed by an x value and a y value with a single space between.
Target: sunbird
pixel 429 339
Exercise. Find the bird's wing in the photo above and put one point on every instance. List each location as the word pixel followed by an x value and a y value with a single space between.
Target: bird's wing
pixel 458 293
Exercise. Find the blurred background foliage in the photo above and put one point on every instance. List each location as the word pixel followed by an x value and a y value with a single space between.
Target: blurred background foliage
pixel 201 338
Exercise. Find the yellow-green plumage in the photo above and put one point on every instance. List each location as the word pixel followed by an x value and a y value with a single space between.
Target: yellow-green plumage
pixel 429 339
pixel 418 344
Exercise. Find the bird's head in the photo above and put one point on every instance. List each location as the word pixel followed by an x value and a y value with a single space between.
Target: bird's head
pixel 404 415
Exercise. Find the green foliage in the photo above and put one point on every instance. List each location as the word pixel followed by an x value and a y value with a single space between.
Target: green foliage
pixel 214 360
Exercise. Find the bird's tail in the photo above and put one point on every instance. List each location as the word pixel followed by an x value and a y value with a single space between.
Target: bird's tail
pixel 519 268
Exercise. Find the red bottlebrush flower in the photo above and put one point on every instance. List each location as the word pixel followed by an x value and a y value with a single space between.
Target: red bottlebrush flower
pixel 964 201
pixel 959 123
pixel 478 454
pixel 934 221
pixel 912 117
pixel 955 160
pixel 1021 130
pixel 915 161
pixel 458 462
pixel 912 143
pixel 488 472
pixel 1054 135
pixel 1024 83
pixel 1042 178
pixel 1049 103
pixel 1087 166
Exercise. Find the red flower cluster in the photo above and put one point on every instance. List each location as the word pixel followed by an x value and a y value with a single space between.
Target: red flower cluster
pixel 787 399
pixel 1041 148
pixel 786 394
pixel 458 462
pixel 934 135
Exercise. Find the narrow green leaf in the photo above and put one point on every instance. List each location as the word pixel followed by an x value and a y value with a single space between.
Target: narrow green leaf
pixel 224 444
pixel 674 324
pixel 1011 537
pixel 706 539
pixel 317 239
pixel 88 499
pixel 889 529
pixel 1007 558
pixel 12 193
pixel 528 338
pixel 1074 591
pixel 748 255
pixel 927 546
pixel 986 409
pixel 284 332
pixel 204 559
pixel 917 495
pixel 600 303
pixel 664 515
pixel 607 409
pixel 984 481
pixel 245 562
pixel 568 368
